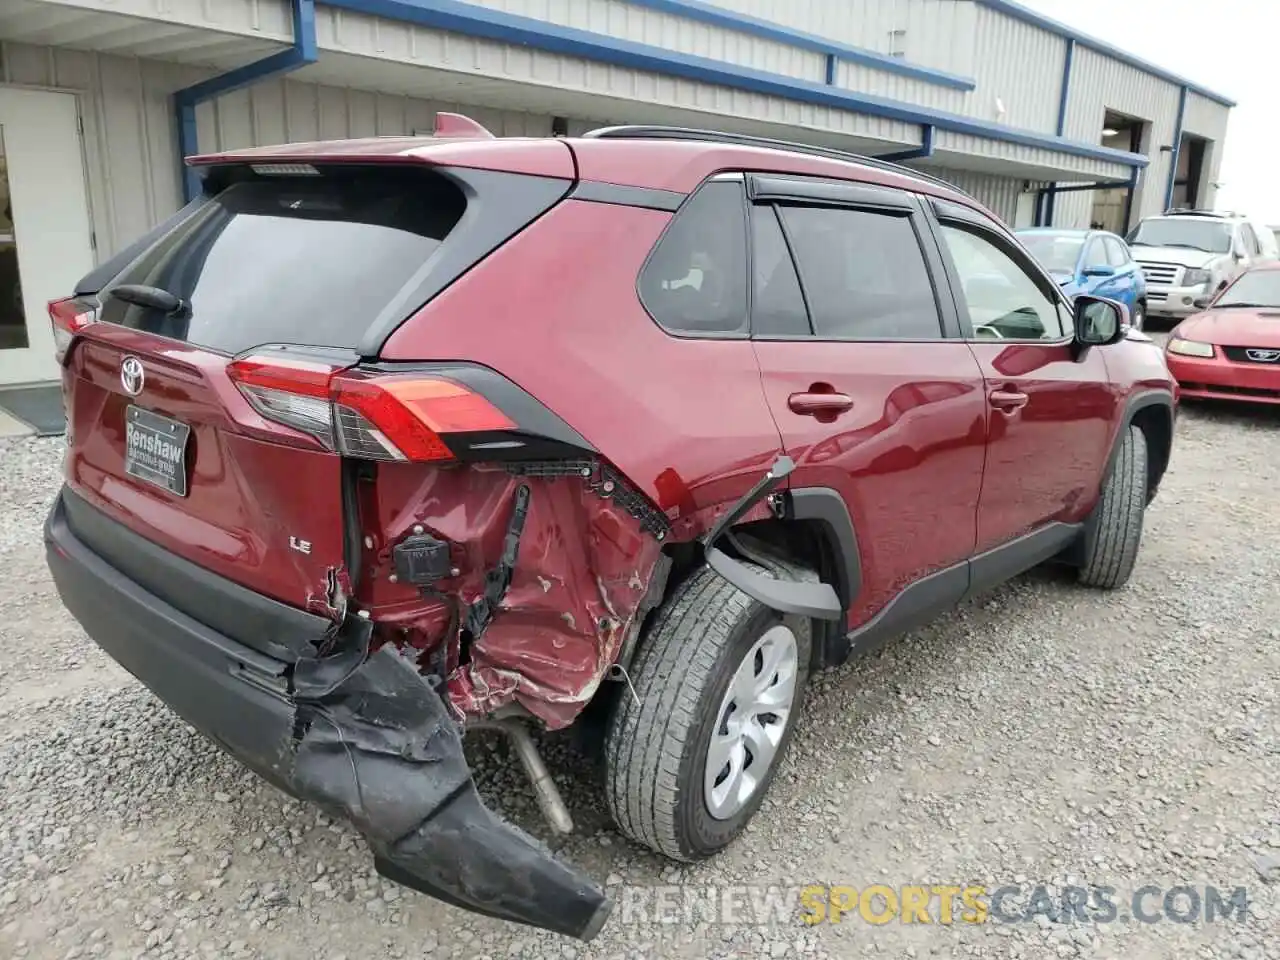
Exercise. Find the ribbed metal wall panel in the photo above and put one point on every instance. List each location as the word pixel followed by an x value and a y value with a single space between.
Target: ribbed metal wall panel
pixel 1098 84
pixel 130 142
pixel 1205 118
pixel 393 40
pixel 939 33
pixel 625 21
pixel 1017 66
pixel 270 19
pixel 998 194
pixel 1082 168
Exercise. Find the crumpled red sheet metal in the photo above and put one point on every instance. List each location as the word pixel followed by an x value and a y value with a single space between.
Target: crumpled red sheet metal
pixel 583 568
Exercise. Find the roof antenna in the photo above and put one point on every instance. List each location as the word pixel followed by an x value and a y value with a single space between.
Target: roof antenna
pixel 456 125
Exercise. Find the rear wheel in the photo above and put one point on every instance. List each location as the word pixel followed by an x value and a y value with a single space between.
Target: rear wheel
pixel 720 680
pixel 1114 530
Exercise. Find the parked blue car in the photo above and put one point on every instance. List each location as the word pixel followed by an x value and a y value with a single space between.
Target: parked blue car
pixel 1093 262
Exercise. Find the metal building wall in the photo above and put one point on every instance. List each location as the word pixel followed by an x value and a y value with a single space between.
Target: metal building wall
pixel 130 141
pixel 1099 83
pixel 611 89
pixel 939 33
pixel 1205 118
pixel 626 21
pixel 1208 119
pixel 998 194
pixel 1010 61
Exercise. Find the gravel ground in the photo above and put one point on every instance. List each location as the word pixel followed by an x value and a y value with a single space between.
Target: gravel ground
pixel 1043 734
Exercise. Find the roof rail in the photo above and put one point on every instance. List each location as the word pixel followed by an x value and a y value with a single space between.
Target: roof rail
pixel 654 132
pixel 1197 212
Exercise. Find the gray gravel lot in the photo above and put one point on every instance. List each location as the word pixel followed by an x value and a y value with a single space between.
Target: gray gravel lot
pixel 1044 734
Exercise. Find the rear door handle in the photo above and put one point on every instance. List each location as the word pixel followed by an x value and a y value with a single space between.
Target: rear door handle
pixel 1008 401
pixel 813 404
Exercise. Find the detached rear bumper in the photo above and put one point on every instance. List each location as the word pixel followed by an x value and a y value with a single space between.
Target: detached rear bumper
pixel 366 738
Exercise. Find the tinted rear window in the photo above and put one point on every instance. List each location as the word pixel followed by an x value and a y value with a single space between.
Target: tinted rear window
pixel 310 259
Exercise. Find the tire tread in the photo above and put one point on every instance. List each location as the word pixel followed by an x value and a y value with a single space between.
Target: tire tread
pixel 1120 513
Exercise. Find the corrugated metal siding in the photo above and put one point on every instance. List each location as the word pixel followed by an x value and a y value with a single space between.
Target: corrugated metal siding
pixel 939 33
pixel 1082 168
pixel 998 194
pixel 272 19
pixel 627 22
pixel 1205 118
pixel 130 140
pixel 400 42
pixel 1019 65
pixel 1099 83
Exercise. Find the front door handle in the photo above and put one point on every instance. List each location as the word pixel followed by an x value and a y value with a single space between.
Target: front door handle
pixel 1008 402
pixel 819 404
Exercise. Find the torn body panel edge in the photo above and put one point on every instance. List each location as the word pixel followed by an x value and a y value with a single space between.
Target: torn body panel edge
pixel 365 736
pixel 540 633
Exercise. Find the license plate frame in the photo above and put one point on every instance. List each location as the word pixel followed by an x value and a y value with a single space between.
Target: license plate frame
pixel 155 449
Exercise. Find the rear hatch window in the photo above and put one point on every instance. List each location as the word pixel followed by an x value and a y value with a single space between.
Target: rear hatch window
pixel 295 259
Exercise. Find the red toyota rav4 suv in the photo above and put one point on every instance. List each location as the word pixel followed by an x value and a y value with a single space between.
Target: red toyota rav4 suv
pixel 380 440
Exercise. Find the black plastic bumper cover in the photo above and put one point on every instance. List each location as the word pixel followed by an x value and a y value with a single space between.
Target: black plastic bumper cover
pixel 364 737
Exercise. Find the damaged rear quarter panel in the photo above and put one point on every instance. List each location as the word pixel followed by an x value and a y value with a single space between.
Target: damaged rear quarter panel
pixel 583 567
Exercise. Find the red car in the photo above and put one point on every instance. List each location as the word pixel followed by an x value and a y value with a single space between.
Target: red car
pixel 1231 349
pixel 384 440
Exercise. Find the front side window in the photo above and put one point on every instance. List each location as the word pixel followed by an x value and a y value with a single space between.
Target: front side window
pixel 1003 300
pixel 1095 254
pixel 1058 253
pixel 695 281
pixel 863 273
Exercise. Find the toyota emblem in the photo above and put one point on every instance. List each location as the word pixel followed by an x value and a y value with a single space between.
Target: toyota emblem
pixel 132 376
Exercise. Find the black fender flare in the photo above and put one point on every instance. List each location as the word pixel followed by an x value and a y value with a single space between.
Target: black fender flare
pixel 1133 405
pixel 820 600
pixel 825 506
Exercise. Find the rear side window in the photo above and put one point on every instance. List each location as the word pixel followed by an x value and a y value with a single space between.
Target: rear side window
pixel 695 281
pixel 1117 255
pixel 1095 255
pixel 863 273
pixel 777 304
pixel 309 259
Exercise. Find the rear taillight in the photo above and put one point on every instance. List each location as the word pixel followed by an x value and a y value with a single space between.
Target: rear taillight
pixel 295 393
pixel 69 317
pixel 369 416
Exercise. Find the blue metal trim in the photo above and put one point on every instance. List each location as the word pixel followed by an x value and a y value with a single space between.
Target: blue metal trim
pixel 921 152
pixel 305 50
pixel 768 30
pixel 1065 94
pixel 465 18
pixel 1019 12
pixel 1098 185
pixel 1176 156
pixel 1128 201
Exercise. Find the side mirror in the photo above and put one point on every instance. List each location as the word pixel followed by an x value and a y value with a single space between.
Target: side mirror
pixel 1099 322
pixel 1100 270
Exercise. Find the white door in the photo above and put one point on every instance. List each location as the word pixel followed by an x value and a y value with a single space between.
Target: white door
pixel 1025 212
pixel 44 225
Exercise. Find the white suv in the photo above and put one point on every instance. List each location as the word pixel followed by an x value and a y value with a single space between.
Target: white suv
pixel 1188 255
